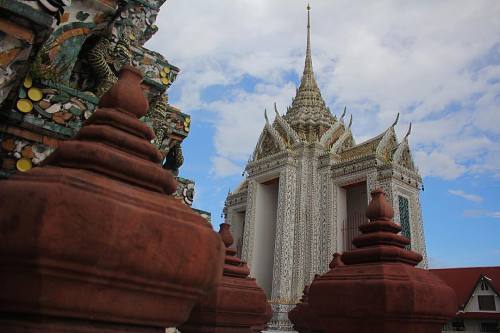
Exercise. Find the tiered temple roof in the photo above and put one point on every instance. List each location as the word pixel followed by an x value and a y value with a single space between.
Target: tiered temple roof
pixel 308 115
pixel 309 120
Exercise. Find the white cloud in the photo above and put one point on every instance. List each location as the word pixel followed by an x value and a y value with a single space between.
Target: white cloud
pixel 437 164
pixel 482 213
pixel 467 196
pixel 437 63
pixel 224 167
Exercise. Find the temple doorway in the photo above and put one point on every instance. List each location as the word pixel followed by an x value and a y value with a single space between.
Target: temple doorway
pixel 237 229
pixel 265 232
pixel 352 205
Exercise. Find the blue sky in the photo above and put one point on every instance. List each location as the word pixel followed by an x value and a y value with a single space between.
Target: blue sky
pixel 437 63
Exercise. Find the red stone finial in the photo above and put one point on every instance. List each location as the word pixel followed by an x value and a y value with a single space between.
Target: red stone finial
pixel 99 225
pixel 126 94
pixel 225 234
pixel 336 261
pixel 379 209
pixel 378 290
pixel 114 143
pixel 380 241
pixel 237 304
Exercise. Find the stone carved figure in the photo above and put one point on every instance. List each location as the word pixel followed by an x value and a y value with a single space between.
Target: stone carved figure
pixel 161 122
pixel 174 159
pixel 107 60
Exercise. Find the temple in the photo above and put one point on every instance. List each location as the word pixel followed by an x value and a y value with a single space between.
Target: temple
pixel 306 192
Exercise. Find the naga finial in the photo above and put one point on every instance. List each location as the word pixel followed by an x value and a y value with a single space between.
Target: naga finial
pixel 350 122
pixel 408 133
pixel 276 109
pixel 265 116
pixel 396 121
pixel 343 114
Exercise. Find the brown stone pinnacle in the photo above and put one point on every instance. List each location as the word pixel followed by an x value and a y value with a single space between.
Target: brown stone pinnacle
pixel 236 305
pixel 380 241
pixel 225 234
pixel 124 151
pixel 336 261
pixel 91 242
pixel 378 289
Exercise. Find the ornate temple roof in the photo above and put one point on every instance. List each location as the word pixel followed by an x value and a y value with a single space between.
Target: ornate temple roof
pixel 308 114
pixel 309 120
pixel 365 148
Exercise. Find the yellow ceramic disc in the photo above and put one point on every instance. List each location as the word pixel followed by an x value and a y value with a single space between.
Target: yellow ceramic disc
pixel 131 37
pixel 163 74
pixel 24 105
pixel 166 69
pixel 28 82
pixel 165 80
pixel 186 128
pixel 188 120
pixel 35 94
pixel 24 164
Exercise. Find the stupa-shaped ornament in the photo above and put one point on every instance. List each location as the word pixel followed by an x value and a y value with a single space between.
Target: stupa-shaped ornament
pixel 92 242
pixel 378 289
pixel 236 305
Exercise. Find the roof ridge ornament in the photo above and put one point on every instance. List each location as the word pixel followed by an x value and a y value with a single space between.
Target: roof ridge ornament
pixel 290 132
pixel 343 114
pixel 408 133
pixel 395 121
pixel 276 109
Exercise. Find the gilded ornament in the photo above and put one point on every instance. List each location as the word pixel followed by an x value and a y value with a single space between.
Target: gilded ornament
pixel 35 94
pixel 24 105
pixel 24 164
pixel 28 82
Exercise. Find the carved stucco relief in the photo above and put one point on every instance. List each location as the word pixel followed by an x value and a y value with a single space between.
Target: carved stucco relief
pixel 247 252
pixel 315 218
pixel 327 223
pixel 284 256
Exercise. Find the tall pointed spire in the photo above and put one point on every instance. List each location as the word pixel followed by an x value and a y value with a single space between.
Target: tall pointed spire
pixel 308 66
pixel 308 114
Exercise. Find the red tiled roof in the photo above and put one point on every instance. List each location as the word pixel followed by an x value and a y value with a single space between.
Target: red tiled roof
pixel 464 280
